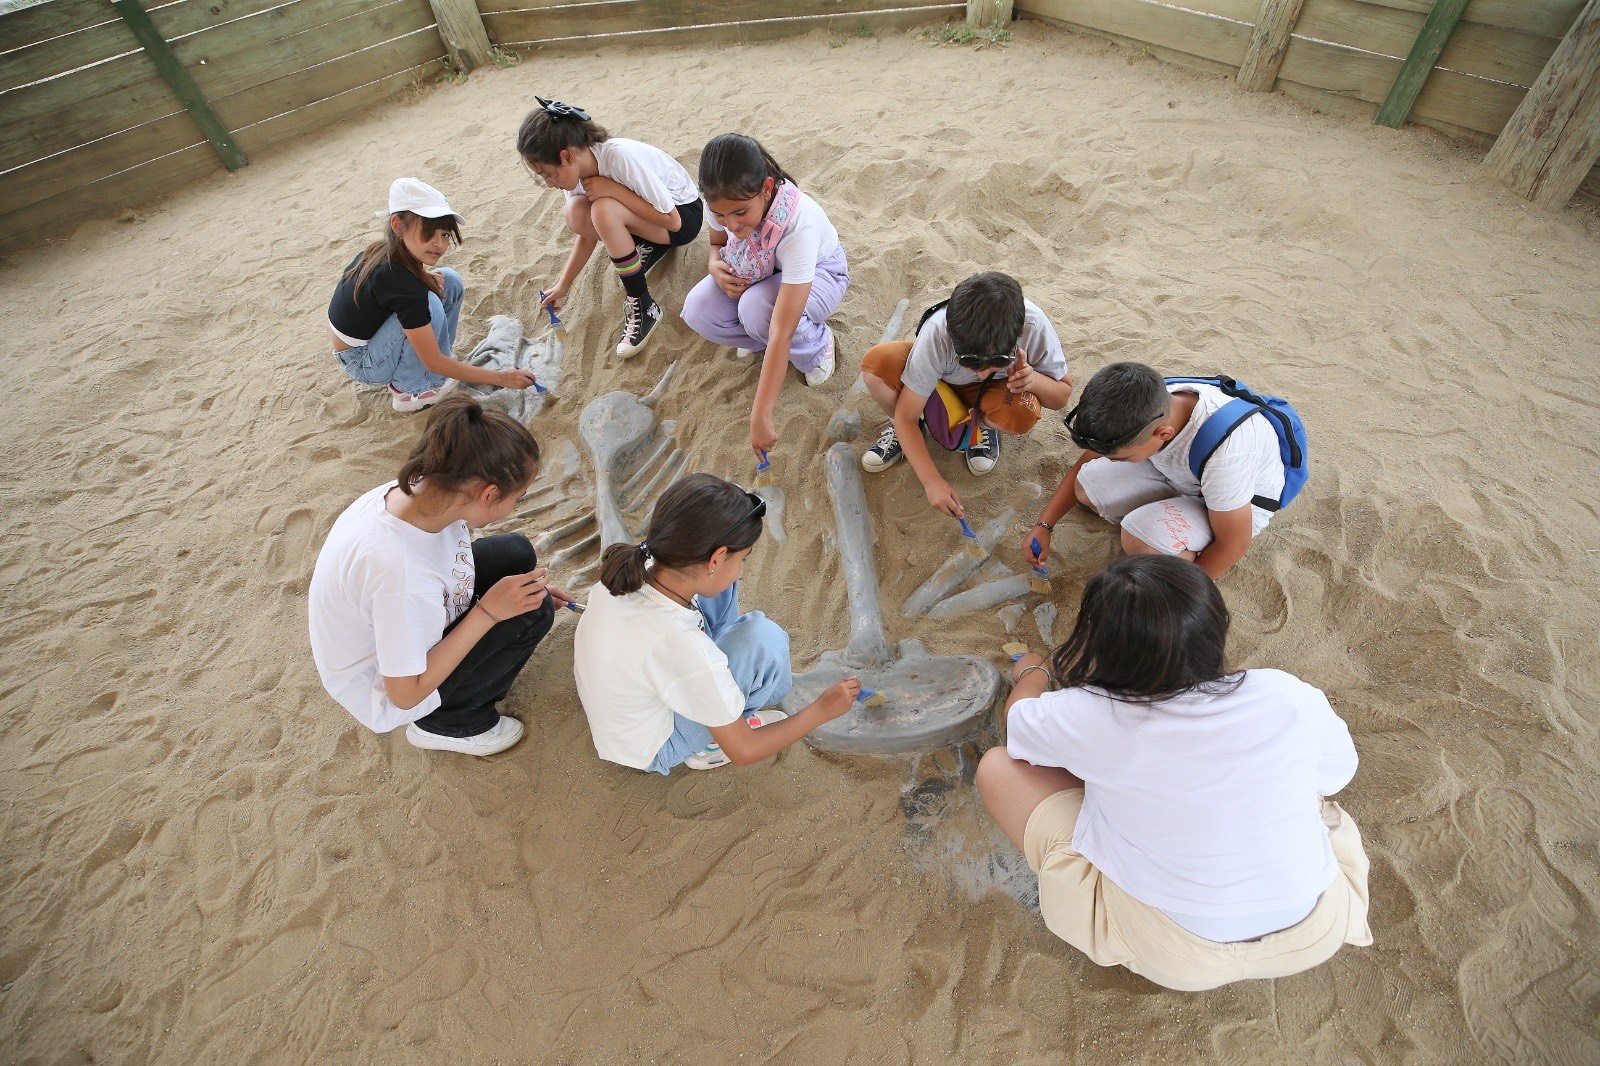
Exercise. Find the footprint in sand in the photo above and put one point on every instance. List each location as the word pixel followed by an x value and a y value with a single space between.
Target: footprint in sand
pixel 440 977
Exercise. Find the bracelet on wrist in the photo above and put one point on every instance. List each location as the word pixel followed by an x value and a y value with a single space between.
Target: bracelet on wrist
pixel 1048 528
pixel 488 612
pixel 1027 669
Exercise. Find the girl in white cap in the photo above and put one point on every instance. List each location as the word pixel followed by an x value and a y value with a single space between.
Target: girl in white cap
pixel 394 313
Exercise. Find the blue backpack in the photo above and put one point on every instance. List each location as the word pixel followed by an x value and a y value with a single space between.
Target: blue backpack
pixel 1230 416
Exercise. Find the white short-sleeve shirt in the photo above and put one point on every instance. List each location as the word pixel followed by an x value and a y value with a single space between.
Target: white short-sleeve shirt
pixel 381 595
pixel 933 357
pixel 639 659
pixel 659 179
pixel 808 240
pixel 1203 805
pixel 1246 465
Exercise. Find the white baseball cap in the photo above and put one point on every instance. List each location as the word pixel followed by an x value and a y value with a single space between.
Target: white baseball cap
pixel 420 198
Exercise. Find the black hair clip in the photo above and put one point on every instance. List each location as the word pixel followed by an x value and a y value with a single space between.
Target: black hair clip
pixel 556 107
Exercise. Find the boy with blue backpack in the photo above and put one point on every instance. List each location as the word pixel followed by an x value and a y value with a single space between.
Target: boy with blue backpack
pixel 1188 466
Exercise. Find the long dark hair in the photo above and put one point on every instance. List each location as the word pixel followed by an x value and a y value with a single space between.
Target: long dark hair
pixel 694 517
pixel 546 134
pixel 464 446
pixel 392 250
pixel 1149 627
pixel 733 167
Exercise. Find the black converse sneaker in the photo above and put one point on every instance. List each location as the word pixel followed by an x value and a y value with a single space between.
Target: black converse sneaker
pixel 885 453
pixel 640 318
pixel 984 451
pixel 650 254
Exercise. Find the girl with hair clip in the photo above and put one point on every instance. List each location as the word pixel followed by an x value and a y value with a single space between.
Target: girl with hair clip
pixel 669 672
pixel 394 313
pixel 412 621
pixel 777 272
pixel 630 196
pixel 1175 812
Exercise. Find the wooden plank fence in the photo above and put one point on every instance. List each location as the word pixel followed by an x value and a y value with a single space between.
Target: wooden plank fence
pixel 1346 54
pixel 541 23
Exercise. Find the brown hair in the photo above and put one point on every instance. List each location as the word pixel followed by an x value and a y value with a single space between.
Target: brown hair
pixel 694 517
pixel 392 250
pixel 545 135
pixel 734 167
pixel 465 445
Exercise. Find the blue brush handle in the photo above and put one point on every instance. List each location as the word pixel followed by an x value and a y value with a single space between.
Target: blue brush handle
pixel 539 388
pixel 1036 567
pixel 765 463
pixel 966 530
pixel 554 321
pixel 866 694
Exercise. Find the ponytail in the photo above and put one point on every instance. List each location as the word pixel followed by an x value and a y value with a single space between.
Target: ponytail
pixel 694 517
pixel 465 446
pixel 733 167
pixel 554 127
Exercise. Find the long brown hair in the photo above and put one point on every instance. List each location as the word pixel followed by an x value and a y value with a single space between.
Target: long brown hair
pixel 734 167
pixel 464 446
pixel 392 250
pixel 694 517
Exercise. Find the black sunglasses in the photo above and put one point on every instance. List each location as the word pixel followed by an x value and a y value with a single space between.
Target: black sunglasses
pixel 561 110
pixel 758 509
pixel 986 362
pixel 1104 447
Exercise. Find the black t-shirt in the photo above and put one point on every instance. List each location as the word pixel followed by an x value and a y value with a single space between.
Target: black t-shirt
pixel 388 290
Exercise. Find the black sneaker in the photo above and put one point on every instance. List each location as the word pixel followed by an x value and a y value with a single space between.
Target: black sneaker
pixel 885 453
pixel 640 318
pixel 984 451
pixel 650 254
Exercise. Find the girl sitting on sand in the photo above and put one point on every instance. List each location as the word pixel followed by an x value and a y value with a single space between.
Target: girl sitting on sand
pixel 668 670
pixel 412 621
pixel 1174 812
pixel 777 272
pixel 630 196
pixel 393 315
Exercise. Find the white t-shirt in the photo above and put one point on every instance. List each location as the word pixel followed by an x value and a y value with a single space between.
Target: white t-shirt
pixel 807 240
pixel 933 357
pixel 1200 805
pixel 638 659
pixel 382 593
pixel 1247 464
pixel 659 179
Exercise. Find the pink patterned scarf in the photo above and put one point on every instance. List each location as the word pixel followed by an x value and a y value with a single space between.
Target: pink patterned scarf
pixel 755 257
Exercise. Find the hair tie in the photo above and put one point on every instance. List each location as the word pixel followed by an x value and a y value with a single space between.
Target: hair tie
pixel 644 551
pixel 561 110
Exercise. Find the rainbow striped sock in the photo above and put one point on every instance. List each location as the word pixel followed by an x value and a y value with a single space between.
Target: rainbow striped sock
pixel 630 271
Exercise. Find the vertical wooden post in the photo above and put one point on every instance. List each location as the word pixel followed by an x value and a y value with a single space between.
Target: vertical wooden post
pixel 199 108
pixel 989 14
pixel 1553 138
pixel 461 29
pixel 1264 56
pixel 1436 30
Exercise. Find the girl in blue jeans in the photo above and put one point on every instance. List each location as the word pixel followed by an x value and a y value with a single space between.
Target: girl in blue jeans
pixel 394 314
pixel 669 671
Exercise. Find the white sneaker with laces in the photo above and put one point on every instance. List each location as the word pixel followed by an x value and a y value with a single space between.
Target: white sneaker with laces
pixel 823 370
pixel 765 716
pixel 707 758
pixel 499 737
pixel 638 322
pixel 406 402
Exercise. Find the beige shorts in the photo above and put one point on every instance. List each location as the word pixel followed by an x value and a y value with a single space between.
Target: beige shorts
pixel 1088 911
pixel 1140 500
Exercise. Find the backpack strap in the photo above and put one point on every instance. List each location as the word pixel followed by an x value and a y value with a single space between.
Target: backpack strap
pixel 929 313
pixel 1218 428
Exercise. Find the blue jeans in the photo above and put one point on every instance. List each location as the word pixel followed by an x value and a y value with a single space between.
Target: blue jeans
pixel 758 658
pixel 389 359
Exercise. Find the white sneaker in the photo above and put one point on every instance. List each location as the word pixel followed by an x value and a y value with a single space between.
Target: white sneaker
pixel 823 370
pixel 885 453
pixel 406 402
pixel 639 319
pixel 499 737
pixel 707 758
pixel 765 716
pixel 745 353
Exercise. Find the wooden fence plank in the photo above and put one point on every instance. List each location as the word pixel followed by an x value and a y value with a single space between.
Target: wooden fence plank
pixel 1474 103
pixel 989 14
pixel 761 30
pixel 732 10
pixel 462 30
pixel 1550 145
pixel 1505 55
pixel 83 107
pixel 633 16
pixel 1210 38
pixel 1549 17
pixel 143 185
pixel 1267 44
pixel 47 177
pixel 194 101
pixel 1419 61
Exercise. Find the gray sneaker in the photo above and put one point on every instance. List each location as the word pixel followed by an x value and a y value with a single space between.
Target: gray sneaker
pixel 984 451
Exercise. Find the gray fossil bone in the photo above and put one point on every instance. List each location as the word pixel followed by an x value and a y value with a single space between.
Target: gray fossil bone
pixel 507 347
pixel 623 436
pixel 954 571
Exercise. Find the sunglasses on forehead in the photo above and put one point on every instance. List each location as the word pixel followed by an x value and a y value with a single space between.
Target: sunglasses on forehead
pixel 1108 445
pixel 986 362
pixel 758 509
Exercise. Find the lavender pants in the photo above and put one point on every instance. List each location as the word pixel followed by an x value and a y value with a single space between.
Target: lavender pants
pixel 747 321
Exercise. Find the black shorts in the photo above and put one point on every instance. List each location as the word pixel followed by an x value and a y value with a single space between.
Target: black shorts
pixel 690 217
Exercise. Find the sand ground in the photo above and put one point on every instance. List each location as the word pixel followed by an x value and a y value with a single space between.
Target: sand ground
pixel 206 860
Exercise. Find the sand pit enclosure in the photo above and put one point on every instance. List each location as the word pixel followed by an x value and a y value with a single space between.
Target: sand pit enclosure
pixel 207 860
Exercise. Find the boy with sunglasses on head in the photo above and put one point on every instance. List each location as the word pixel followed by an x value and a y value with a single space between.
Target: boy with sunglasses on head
pixel 1142 434
pixel 998 355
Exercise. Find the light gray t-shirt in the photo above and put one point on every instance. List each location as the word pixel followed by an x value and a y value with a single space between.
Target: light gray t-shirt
pixel 933 357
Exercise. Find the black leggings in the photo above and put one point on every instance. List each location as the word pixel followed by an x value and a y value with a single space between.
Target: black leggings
pixel 470 694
